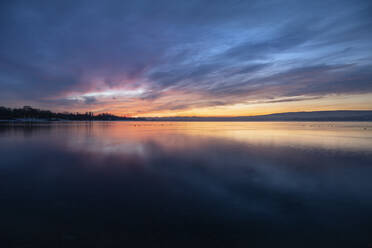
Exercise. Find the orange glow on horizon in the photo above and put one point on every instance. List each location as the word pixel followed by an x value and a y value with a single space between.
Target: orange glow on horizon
pixel 162 107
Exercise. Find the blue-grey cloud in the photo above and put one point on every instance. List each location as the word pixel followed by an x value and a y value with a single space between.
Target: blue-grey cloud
pixel 230 50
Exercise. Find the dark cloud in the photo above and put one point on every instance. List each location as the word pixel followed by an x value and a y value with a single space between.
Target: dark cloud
pixel 296 99
pixel 232 50
pixel 251 68
pixel 90 100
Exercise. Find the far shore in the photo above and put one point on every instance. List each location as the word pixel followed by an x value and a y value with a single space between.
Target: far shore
pixel 36 121
pixel 28 114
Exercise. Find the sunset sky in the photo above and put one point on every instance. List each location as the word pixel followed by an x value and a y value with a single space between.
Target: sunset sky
pixel 186 58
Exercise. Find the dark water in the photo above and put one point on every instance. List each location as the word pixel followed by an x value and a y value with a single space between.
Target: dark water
pixel 133 184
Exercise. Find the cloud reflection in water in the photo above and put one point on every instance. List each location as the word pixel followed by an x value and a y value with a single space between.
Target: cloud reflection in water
pixel 202 184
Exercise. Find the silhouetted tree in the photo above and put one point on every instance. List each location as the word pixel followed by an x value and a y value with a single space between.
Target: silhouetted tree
pixel 28 112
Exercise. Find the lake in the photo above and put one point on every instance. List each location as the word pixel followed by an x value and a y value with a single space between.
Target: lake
pixel 186 184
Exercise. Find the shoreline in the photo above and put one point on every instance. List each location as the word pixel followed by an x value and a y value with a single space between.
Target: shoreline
pixel 158 120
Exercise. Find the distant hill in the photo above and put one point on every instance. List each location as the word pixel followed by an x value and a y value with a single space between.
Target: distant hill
pixel 338 115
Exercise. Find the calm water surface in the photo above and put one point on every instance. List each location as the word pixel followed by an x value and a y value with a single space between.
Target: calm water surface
pixel 195 184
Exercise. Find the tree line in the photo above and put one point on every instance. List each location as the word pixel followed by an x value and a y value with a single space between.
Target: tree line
pixel 28 112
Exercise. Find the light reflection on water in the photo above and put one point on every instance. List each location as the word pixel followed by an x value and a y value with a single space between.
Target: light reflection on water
pixel 167 184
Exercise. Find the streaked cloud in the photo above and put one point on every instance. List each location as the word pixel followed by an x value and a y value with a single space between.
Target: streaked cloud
pixel 143 57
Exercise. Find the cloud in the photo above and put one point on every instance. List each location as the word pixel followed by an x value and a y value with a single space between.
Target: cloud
pixel 89 100
pixel 215 54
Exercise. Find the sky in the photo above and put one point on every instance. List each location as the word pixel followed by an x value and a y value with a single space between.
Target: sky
pixel 186 58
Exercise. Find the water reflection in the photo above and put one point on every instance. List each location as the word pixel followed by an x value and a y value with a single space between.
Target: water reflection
pixel 105 184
